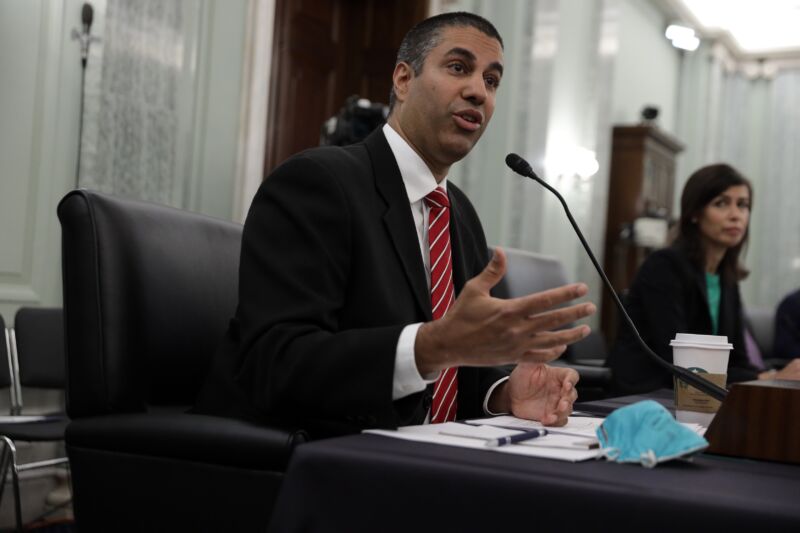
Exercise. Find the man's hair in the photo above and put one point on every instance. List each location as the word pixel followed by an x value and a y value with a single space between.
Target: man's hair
pixel 425 36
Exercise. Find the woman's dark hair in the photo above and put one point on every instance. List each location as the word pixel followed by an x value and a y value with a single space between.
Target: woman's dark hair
pixel 701 188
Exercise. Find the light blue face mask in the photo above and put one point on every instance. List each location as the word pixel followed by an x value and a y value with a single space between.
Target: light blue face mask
pixel 645 432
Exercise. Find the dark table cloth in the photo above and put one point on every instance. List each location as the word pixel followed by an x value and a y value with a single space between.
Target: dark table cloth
pixel 379 484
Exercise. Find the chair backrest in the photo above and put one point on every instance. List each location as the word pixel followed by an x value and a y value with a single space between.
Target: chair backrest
pixel 761 321
pixel 5 350
pixel 39 333
pixel 148 292
pixel 5 364
pixel 529 272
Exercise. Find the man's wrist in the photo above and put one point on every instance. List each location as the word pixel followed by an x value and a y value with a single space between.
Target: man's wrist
pixel 498 400
pixel 429 349
pixel 407 379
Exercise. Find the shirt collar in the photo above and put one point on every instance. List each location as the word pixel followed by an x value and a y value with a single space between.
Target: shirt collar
pixel 417 177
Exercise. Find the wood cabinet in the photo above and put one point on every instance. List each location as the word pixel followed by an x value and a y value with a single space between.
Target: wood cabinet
pixel 641 183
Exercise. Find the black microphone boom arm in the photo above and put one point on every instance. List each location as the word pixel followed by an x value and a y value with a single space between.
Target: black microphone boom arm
pixel 523 168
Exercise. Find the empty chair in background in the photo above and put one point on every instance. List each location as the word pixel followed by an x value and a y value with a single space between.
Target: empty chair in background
pixel 36 361
pixel 5 366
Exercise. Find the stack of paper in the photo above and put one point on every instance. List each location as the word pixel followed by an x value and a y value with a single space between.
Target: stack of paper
pixel 576 441
pixel 573 442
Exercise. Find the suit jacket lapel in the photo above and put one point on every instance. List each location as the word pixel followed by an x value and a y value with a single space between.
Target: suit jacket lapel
pixel 398 219
pixel 457 230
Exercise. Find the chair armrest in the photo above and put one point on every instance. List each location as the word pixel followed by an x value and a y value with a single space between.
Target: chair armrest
pixel 188 437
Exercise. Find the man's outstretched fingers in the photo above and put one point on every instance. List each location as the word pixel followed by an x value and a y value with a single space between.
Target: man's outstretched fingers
pixel 545 300
pixel 542 355
pixel 492 273
pixel 558 317
pixel 549 339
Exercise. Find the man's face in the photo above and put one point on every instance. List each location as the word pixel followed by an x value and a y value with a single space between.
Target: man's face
pixel 444 110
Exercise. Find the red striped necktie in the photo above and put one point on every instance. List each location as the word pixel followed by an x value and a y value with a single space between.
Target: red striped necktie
pixel 444 406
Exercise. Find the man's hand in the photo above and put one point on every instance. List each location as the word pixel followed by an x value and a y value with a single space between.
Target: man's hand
pixel 480 330
pixel 790 371
pixel 541 392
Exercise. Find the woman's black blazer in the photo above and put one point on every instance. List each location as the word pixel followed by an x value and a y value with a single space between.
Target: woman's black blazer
pixel 668 296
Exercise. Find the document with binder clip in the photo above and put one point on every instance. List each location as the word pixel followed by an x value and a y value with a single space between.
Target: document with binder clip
pixel 573 442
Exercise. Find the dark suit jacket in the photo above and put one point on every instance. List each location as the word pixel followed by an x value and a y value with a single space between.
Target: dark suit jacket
pixel 787 327
pixel 669 296
pixel 330 273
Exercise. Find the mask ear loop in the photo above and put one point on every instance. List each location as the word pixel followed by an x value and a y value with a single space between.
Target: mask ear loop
pixel 648 459
pixel 609 453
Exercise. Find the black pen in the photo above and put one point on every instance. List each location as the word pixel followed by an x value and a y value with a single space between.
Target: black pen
pixel 549 431
pixel 519 437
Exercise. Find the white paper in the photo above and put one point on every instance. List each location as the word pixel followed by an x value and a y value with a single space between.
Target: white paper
pixel 582 425
pixel 560 447
pixel 579 425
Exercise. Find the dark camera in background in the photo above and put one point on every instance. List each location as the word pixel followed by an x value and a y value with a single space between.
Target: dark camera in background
pixel 649 114
pixel 357 119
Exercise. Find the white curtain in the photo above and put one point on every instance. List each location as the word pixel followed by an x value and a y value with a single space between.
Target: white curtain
pixel 775 260
pixel 135 87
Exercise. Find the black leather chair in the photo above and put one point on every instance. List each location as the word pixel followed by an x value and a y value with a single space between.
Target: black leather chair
pixel 529 272
pixel 6 365
pixel 148 291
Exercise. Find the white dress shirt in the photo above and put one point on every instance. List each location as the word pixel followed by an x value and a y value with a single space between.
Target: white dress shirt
pixel 419 182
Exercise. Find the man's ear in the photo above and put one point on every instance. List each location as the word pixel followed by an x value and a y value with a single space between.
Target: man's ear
pixel 401 78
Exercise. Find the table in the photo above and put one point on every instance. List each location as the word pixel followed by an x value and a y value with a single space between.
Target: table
pixel 379 484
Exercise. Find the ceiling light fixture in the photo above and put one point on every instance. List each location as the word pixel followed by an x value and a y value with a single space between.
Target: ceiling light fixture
pixel 682 37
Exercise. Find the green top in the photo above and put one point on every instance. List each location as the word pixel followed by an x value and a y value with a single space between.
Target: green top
pixel 714 293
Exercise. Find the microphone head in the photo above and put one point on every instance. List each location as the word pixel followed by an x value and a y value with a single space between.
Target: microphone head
pixel 518 165
pixel 87 15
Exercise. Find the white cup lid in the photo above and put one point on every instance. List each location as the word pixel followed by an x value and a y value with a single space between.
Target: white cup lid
pixel 700 339
pixel 677 344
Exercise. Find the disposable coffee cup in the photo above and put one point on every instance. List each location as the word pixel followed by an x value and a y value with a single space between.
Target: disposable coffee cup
pixel 706 355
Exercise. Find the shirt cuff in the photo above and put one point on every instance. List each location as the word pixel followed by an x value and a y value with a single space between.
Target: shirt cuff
pixel 407 379
pixel 489 395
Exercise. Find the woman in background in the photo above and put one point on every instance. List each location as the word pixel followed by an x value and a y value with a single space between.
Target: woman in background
pixel 693 285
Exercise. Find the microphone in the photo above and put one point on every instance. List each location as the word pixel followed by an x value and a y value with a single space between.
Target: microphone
pixel 84 37
pixel 523 168
pixel 87 16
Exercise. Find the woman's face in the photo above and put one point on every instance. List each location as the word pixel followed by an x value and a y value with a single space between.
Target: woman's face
pixel 723 222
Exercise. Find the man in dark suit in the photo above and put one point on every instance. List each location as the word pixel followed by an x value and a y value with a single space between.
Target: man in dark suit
pixel 335 327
